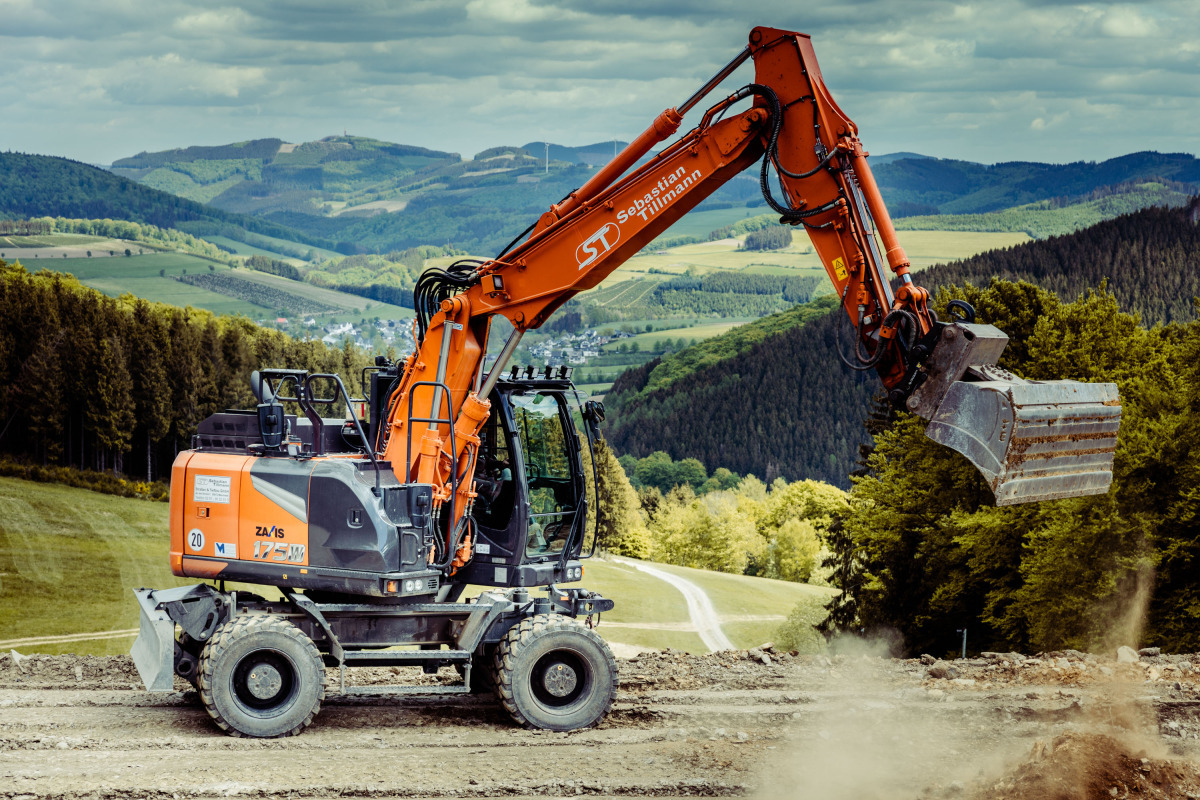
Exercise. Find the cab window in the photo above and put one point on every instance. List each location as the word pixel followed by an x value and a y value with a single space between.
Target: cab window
pixel 552 503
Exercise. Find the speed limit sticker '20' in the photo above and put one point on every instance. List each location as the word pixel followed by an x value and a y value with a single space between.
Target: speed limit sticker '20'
pixel 195 540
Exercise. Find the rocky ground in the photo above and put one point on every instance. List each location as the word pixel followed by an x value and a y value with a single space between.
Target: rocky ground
pixel 760 724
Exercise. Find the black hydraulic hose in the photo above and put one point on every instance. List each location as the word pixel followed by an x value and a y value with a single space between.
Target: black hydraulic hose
pixel 770 158
pixel 518 238
pixel 837 334
pixel 911 325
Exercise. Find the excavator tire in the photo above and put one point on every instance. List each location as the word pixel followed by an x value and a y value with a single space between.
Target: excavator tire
pixel 261 677
pixel 555 674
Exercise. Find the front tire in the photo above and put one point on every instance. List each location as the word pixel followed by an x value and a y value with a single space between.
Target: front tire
pixel 553 673
pixel 261 677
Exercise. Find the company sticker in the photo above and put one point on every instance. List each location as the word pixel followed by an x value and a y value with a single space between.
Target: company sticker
pixel 225 549
pixel 195 540
pixel 483 549
pixel 211 489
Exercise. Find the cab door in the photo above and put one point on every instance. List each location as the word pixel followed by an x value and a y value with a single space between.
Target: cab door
pixel 550 461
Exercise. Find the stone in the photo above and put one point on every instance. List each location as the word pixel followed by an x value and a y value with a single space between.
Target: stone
pixel 1150 651
pixel 941 670
pixel 1126 655
pixel 927 659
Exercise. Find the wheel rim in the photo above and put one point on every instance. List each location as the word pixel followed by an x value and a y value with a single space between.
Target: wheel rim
pixel 560 678
pixel 264 681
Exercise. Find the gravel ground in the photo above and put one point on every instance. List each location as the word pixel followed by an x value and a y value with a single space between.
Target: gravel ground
pixel 759 724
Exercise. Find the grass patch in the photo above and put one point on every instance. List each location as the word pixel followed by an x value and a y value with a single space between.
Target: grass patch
pixel 243 249
pixel 733 595
pixel 653 341
pixel 140 275
pixel 69 559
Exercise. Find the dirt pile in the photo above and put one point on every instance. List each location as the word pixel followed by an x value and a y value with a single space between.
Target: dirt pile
pixel 1179 673
pixel 18 671
pixel 1083 766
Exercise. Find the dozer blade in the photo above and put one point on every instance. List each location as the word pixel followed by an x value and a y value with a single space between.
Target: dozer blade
pixel 1032 440
pixel 154 649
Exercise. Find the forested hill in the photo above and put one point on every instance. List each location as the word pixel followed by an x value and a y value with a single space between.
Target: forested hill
pixel 787 406
pixel 48 186
pixel 919 185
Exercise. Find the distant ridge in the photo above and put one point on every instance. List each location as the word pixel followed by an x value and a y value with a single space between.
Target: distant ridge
pixel 386 196
pixel 49 186
pixel 914 186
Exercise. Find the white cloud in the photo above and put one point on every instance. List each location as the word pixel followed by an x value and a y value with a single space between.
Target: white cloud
pixel 981 79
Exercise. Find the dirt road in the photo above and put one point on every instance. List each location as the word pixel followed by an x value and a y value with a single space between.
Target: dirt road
pixel 700 609
pixel 730 724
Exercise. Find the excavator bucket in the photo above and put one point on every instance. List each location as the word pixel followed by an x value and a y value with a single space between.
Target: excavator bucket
pixel 1031 440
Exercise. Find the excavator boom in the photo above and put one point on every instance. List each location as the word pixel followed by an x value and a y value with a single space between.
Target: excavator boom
pixel 1031 440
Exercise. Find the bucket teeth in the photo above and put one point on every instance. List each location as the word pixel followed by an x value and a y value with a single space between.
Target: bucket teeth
pixel 1032 440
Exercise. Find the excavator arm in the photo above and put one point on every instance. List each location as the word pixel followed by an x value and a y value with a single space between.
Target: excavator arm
pixel 1032 440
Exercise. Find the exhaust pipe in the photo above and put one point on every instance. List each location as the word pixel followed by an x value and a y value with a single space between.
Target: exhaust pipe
pixel 1031 440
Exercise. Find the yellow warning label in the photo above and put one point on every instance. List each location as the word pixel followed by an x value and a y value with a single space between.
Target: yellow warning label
pixel 839 268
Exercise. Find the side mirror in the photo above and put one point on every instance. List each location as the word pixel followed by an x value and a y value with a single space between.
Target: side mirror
pixel 260 388
pixel 593 411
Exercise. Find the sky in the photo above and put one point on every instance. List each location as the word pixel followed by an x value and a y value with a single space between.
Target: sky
pixel 989 81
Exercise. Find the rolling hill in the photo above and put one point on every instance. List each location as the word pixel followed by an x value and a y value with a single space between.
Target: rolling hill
pixel 48 186
pixel 913 186
pixel 787 406
pixel 384 196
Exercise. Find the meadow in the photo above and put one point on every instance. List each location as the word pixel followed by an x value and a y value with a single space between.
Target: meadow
pixel 69 559
pixel 152 276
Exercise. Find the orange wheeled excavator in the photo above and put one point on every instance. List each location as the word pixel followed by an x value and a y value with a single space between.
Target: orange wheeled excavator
pixel 468 473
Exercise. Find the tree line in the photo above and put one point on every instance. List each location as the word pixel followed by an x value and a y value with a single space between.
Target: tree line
pixel 738 525
pixel 923 550
pixel 120 383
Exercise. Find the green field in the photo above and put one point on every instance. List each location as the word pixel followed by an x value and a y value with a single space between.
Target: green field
pixel 270 246
pixel 139 275
pixel 50 240
pixel 701 223
pixel 69 558
pixel 924 248
pixel 243 249
pixel 654 340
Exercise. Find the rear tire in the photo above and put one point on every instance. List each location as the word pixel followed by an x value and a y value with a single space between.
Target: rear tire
pixel 261 677
pixel 553 673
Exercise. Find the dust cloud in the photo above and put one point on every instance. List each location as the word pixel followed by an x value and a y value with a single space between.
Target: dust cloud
pixel 870 738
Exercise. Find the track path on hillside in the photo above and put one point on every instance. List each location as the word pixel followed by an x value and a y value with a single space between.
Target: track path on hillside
pixel 700 608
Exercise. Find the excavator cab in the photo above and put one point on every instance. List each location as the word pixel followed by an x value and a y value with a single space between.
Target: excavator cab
pixel 530 515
